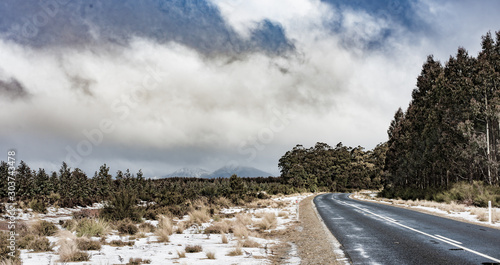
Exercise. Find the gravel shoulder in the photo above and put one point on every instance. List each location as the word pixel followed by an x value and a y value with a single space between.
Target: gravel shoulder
pixel 314 242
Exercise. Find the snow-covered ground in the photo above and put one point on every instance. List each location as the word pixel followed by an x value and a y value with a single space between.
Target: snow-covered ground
pixel 456 211
pixel 148 248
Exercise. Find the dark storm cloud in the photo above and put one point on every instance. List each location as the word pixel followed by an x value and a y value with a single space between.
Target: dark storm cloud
pixel 196 24
pixel 12 89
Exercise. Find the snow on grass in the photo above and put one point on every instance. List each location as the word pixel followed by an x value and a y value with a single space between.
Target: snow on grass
pixel 258 250
pixel 453 210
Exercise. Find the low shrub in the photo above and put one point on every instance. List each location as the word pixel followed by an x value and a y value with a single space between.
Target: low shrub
pixel 126 226
pixel 138 261
pixel 40 244
pixel 86 213
pixel 122 205
pixel 86 244
pixel 121 243
pixel 37 206
pixel 69 224
pixel 25 240
pixel 193 249
pixel 5 250
pixel 147 228
pixel 44 228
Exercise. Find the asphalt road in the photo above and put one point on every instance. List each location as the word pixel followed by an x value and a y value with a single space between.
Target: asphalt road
pixel 373 233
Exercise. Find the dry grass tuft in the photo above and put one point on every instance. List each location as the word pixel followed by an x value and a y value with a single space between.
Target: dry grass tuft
pixel 92 227
pixel 181 254
pixel 223 202
pixel 269 221
pixel 210 255
pixel 244 218
pixel 164 229
pixel 181 226
pixel 218 227
pixel 240 230
pixel 248 243
pixel 199 216
pixel 224 239
pixel 235 252
pixel 69 252
pixel 193 249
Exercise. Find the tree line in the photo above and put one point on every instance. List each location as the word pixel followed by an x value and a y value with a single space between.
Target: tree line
pixel 450 131
pixel 72 187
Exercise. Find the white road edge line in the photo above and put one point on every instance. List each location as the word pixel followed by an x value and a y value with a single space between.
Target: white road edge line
pixel 429 235
pixel 451 240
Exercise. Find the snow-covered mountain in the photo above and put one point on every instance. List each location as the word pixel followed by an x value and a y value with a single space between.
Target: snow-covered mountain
pixel 223 172
pixel 189 173
pixel 244 172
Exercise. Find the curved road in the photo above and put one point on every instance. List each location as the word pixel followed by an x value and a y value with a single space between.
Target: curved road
pixel 373 233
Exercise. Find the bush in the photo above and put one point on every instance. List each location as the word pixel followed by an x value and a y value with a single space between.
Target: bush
pixel 40 244
pixel 477 194
pixel 86 244
pixel 37 206
pixel 193 249
pixel 147 228
pixel 121 206
pixel 138 261
pixel 44 228
pixel 69 224
pixel 92 227
pixel 4 250
pixel 121 243
pixel 127 227
pixel 86 213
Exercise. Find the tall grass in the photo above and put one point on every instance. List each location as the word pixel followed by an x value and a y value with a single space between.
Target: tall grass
pixel 269 221
pixel 92 227
pixel 69 252
pixel 164 229
pixel 199 216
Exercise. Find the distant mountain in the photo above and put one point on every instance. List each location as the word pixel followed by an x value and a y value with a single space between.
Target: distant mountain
pixel 189 173
pixel 223 172
pixel 245 172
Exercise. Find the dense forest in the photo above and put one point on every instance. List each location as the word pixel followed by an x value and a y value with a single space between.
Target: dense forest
pixel 450 131
pixel 325 168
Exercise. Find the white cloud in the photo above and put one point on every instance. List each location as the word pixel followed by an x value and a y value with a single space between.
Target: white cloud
pixel 165 106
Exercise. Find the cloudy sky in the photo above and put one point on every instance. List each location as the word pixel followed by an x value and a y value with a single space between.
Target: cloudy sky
pixel 160 85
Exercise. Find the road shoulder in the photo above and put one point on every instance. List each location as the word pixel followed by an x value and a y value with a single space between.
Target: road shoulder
pixel 315 243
